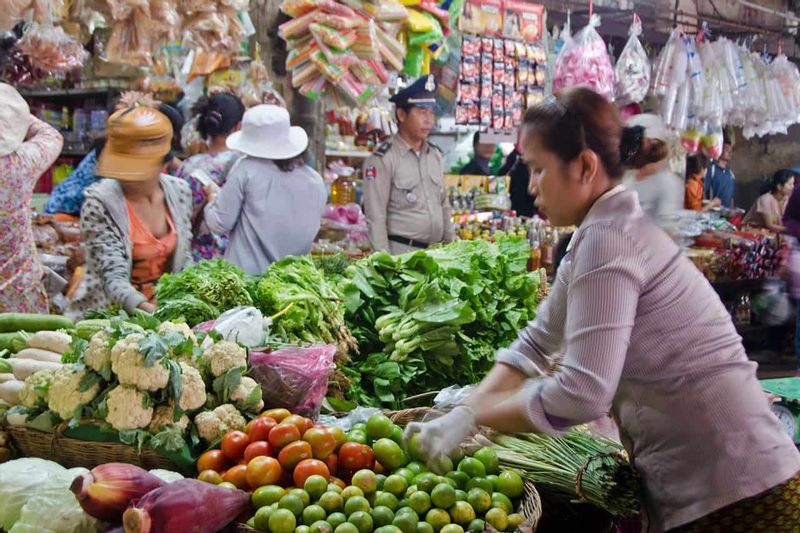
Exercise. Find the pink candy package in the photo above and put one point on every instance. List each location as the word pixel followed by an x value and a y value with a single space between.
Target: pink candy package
pixel 584 61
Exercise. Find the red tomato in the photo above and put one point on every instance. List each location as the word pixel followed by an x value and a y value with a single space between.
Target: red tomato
pixel 256 449
pixel 212 460
pixel 283 434
pixel 322 442
pixel 259 428
pixel 333 462
pixel 308 468
pixel 233 444
pixel 296 420
pixel 276 414
pixel 336 481
pixel 354 456
pixel 236 475
pixel 263 471
pixel 293 453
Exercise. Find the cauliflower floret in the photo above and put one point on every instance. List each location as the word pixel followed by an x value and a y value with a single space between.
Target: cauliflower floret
pixel 193 390
pixel 212 425
pixel 35 392
pixel 98 352
pixel 127 362
pixel 224 355
pixel 164 415
pixel 181 328
pixel 128 408
pixel 64 397
pixel 241 394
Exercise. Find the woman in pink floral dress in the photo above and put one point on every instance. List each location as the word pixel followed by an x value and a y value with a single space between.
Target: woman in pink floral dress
pixel 28 147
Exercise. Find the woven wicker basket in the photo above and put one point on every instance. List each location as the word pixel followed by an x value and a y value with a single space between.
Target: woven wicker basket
pixel 72 453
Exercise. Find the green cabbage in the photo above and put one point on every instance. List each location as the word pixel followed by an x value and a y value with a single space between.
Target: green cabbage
pixel 54 510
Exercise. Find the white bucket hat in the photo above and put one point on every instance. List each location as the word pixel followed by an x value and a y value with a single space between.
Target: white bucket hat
pixel 267 133
pixel 15 119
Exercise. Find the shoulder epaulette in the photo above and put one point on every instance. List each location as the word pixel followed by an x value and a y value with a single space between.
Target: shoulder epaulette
pixel 434 146
pixel 383 148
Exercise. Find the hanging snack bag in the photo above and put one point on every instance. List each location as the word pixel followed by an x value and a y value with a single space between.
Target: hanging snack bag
pixel 632 71
pixel 584 61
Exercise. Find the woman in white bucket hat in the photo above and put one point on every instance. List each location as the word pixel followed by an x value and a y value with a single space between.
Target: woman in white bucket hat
pixel 272 201
pixel 28 147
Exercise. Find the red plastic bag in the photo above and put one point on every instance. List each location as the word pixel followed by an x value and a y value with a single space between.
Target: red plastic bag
pixel 295 378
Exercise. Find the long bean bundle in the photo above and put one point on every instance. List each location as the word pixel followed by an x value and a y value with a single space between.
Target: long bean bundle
pixel 584 467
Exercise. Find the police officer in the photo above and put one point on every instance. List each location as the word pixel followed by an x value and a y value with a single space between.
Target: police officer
pixel 405 200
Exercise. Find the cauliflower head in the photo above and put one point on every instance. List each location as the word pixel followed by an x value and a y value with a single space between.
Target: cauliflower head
pixel 181 328
pixel 34 393
pixel 212 425
pixel 128 408
pixel 64 397
pixel 164 415
pixel 193 389
pixel 241 395
pixel 224 355
pixel 98 352
pixel 127 362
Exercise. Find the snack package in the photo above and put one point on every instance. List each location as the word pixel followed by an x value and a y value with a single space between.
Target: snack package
pixel 584 61
pixel 49 49
pixel 332 37
pixel 632 71
pixel 366 45
pixel 297 26
pixel 313 88
pixel 298 8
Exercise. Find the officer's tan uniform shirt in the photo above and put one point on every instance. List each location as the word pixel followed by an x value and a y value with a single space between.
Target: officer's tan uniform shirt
pixel 404 195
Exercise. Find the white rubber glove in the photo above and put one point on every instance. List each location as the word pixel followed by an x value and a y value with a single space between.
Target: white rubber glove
pixel 439 437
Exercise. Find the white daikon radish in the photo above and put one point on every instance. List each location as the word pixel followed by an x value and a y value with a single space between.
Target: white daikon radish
pixel 9 391
pixel 23 368
pixel 53 341
pixel 7 377
pixel 38 354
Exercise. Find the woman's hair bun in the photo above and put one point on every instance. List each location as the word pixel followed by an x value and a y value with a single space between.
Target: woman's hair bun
pixel 637 150
pixel 218 115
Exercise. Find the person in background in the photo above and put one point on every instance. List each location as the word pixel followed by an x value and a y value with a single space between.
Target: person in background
pixel 482 153
pixel 643 336
pixel 696 166
pixel 405 201
pixel 28 147
pixel 720 181
pixel 522 200
pixel 791 223
pixel 135 225
pixel 217 117
pixel 175 117
pixel 272 201
pixel 660 190
pixel 768 210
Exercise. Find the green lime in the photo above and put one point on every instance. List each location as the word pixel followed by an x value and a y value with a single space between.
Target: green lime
pixel 396 484
pixel 293 503
pixel 510 483
pixel 411 490
pixel 381 480
pixel 331 502
pixel 356 436
pixel 476 525
pixel 438 518
pixel 494 478
pixel 388 529
pixel 502 501
pixel 416 467
pixel 361 426
pixel 461 496
pixel 227 485
pixel 480 500
pixel 316 486
pixel 442 465
pixel 382 516
pixel 333 487
pixel 302 494
pixel 355 504
pixel 397 435
pixel 313 513
pixel 379 427
pixel 426 482
pixel 408 511
pixel 515 520
pixel 489 459
pixel 459 477
pixel 443 496
pixel 261 519
pixel 389 454
pixel 407 523
pixel 424 527
pixel 402 503
pixel 347 527
pixel 452 528
pixel 407 473
pixel 472 467
pixel 415 449
pixel 462 513
pixel 351 491
pixel 282 521
pixel 386 499
pixel 420 502
pixel 481 483
pixel 251 522
pixel 267 495
pixel 302 529
pixel 321 526
pixel 362 520
pixel 497 518
pixel 371 498
pixel 336 519
pixel 366 480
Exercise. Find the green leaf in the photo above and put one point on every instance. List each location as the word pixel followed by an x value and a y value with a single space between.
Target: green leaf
pixel 168 439
pixel 225 384
pixel 44 422
pixel 145 320
pixel 75 420
pixel 134 437
pixel 253 399
pixel 75 350
pixel 175 385
pixel 105 371
pixel 89 380
pixel 153 347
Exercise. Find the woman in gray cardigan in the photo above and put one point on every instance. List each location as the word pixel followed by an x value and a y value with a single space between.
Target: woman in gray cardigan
pixel 136 225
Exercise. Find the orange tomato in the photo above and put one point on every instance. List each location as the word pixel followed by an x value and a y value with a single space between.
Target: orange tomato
pixel 293 453
pixel 210 476
pixel 378 468
pixel 296 420
pixel 237 475
pixel 212 460
pixel 283 434
pixel 259 428
pixel 257 448
pixel 262 471
pixel 233 444
pixel 322 441
pixel 276 414
pixel 309 424
pixel 307 468
pixel 339 435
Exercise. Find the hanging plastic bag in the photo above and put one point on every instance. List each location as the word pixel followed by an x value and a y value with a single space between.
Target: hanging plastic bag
pixel 666 61
pixel 584 61
pixel 632 71
pixel 51 50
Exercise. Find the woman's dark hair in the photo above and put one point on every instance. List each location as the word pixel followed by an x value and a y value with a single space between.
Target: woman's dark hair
pixel 778 179
pixel 176 119
pixel 218 115
pixel 577 119
pixel 695 164
pixel 287 165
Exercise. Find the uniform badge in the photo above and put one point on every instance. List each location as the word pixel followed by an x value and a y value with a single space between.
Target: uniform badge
pixel 370 172
pixel 430 84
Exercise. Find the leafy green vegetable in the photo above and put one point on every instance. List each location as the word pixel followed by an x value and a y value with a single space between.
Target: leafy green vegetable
pixel 188 307
pixel 169 439
pixel 216 283
pixel 225 384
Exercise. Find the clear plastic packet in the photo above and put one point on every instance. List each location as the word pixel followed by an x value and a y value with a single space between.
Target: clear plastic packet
pixel 313 88
pixel 298 8
pixel 339 22
pixel 632 71
pixel 342 57
pixel 332 37
pixel 392 50
pixel 712 139
pixel 297 26
pixel 428 37
pixel 165 16
pixel 662 71
pixel 366 45
pixel 50 49
pixel 419 22
pixel 330 70
pixel 584 61
pixel 298 56
pixel 389 11
pixel 694 65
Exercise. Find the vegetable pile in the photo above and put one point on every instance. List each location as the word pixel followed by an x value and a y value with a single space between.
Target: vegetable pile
pixel 430 319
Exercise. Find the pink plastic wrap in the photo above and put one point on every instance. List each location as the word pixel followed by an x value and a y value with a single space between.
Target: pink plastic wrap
pixel 294 378
pixel 632 71
pixel 584 61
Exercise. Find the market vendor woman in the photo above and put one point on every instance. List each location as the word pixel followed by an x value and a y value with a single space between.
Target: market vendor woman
pixel 643 336
pixel 136 225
